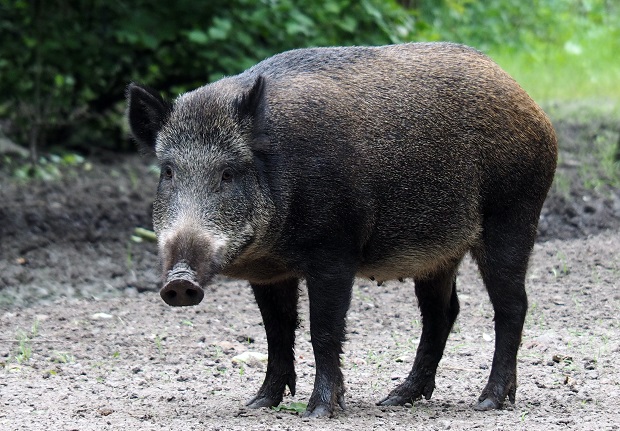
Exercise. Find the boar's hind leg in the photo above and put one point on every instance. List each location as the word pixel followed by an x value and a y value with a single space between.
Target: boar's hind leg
pixel 502 257
pixel 330 297
pixel 278 307
pixel 439 306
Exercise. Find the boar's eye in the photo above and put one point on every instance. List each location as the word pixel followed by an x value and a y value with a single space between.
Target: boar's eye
pixel 167 172
pixel 227 175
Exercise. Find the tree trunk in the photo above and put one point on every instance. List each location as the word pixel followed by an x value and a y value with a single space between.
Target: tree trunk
pixel 34 135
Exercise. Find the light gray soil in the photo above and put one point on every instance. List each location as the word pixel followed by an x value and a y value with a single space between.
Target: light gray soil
pixel 87 344
pixel 133 363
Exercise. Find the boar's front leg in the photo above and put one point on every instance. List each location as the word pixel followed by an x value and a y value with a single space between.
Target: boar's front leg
pixel 278 307
pixel 330 296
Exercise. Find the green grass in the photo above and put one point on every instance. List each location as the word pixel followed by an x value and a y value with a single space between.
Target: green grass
pixel 63 358
pixel 561 269
pixel 587 68
pixel 159 344
pixel 24 339
pixel 24 350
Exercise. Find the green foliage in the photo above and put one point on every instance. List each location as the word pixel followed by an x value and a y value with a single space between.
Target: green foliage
pixel 575 69
pixel 557 49
pixel 64 64
pixel 522 26
pixel 47 168
pixel 65 71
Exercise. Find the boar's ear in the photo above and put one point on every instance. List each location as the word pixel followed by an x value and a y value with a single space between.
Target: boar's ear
pixel 248 103
pixel 147 112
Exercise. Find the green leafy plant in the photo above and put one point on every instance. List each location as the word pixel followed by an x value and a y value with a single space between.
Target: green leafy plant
pixel 291 407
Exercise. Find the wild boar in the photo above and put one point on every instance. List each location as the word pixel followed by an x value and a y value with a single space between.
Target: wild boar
pixel 329 163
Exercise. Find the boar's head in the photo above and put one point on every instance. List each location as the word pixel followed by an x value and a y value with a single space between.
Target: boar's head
pixel 212 200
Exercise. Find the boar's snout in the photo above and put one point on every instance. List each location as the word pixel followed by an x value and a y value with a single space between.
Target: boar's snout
pixel 189 262
pixel 181 288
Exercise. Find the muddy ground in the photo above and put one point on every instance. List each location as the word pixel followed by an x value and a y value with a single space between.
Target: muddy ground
pixel 87 344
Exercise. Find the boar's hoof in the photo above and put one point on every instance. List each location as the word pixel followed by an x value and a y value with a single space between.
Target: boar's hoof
pixel 181 292
pixel 487 404
pixel 394 401
pixel 410 391
pixel 258 402
pixel 492 398
pixel 320 411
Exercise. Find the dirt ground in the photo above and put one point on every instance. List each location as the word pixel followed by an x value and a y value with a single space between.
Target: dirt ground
pixel 87 344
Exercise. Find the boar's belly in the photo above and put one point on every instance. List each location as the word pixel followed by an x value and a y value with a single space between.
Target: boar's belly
pixel 413 262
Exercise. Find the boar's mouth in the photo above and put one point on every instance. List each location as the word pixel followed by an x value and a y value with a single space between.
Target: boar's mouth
pixel 181 287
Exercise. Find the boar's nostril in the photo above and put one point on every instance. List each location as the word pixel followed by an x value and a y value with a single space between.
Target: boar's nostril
pixel 181 292
pixel 170 294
